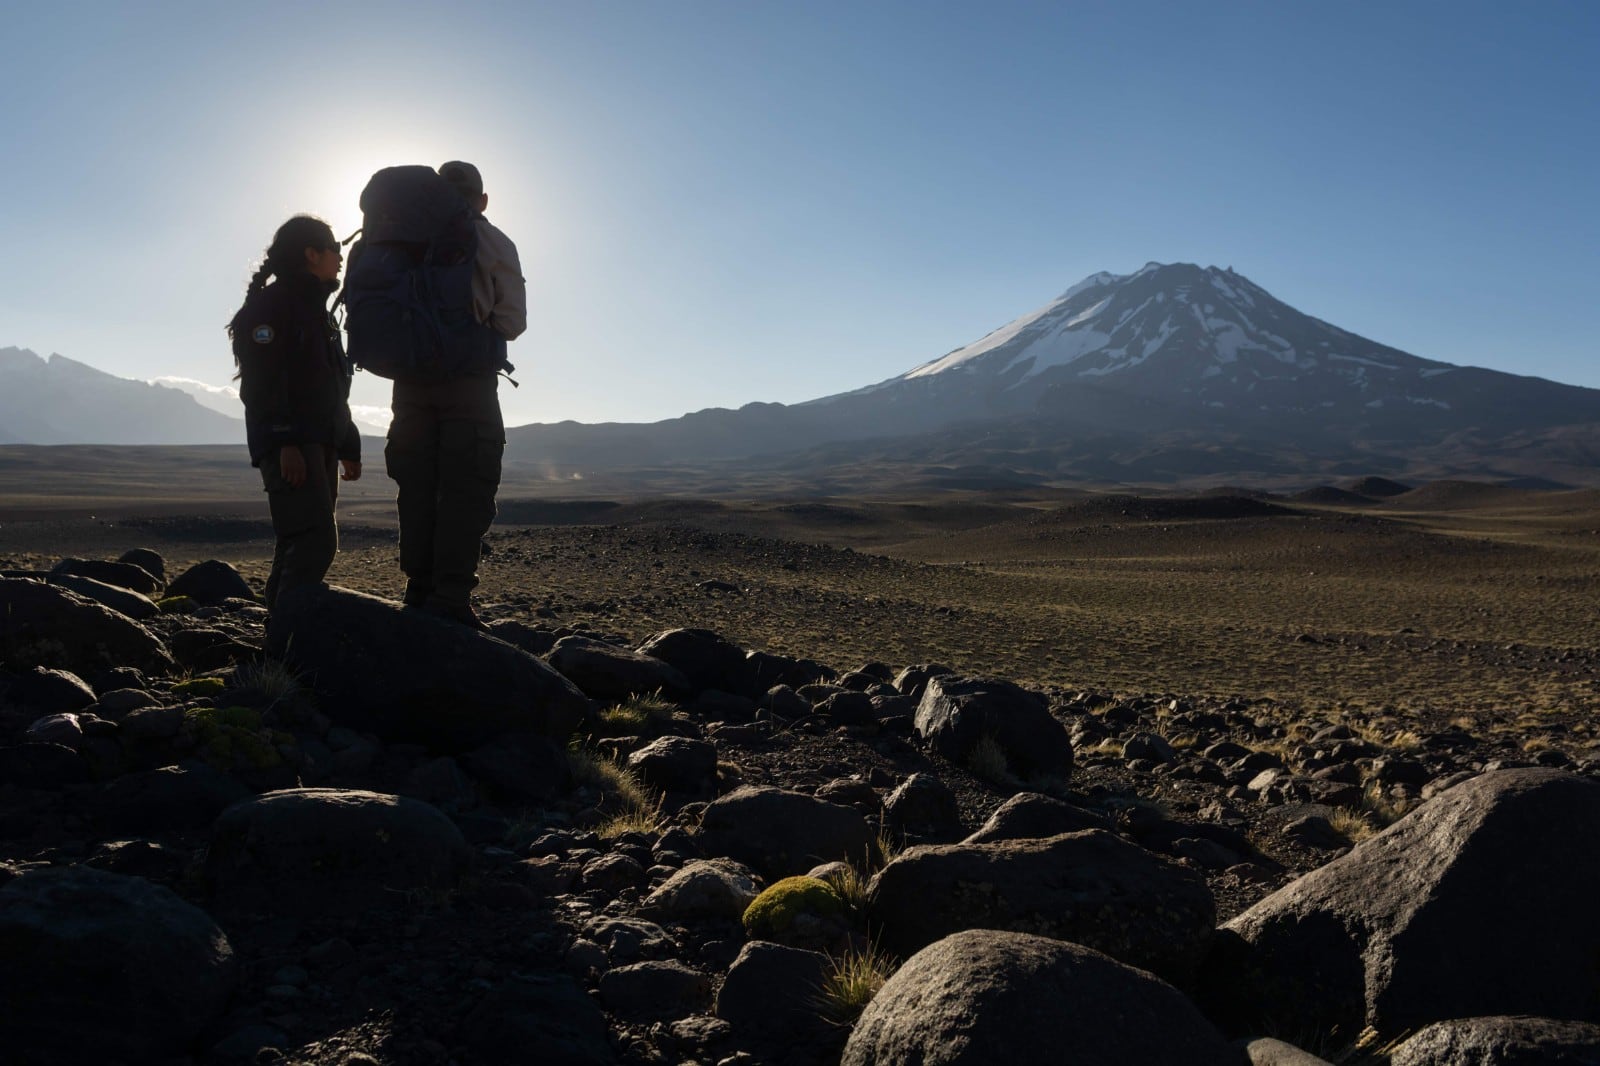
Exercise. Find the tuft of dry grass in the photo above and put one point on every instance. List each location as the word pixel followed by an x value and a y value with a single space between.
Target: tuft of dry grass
pixel 1351 824
pixel 853 979
pixel 645 715
pixel 1380 807
pixel 629 804
pixel 269 680
pixel 987 760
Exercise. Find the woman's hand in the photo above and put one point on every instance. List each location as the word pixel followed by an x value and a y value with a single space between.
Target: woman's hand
pixel 292 465
pixel 349 469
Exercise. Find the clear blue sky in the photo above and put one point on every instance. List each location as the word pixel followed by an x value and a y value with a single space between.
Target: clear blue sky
pixel 720 202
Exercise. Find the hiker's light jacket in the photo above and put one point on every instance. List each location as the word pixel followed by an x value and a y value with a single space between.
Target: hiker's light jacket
pixel 499 292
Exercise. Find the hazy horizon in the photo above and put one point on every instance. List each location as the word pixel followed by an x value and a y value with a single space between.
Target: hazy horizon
pixel 723 203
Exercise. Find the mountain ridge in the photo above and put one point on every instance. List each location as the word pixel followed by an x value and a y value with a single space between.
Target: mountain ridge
pixel 57 400
pixel 1170 352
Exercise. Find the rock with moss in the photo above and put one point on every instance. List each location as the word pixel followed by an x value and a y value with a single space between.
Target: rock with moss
pixel 801 912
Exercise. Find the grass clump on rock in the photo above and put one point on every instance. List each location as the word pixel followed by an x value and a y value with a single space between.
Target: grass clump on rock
pixel 627 801
pixel 853 979
pixel 267 681
pixel 645 715
pixel 987 761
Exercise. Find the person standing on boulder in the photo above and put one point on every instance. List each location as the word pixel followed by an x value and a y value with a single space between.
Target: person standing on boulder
pixel 294 381
pixel 447 439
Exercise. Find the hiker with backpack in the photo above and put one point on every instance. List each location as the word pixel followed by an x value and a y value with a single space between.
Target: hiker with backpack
pixel 294 381
pixel 432 295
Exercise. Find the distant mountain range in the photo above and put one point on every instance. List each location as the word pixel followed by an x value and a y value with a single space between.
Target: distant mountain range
pixel 1172 373
pixel 62 401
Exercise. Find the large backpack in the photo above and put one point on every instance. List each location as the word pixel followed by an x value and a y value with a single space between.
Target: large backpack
pixel 408 284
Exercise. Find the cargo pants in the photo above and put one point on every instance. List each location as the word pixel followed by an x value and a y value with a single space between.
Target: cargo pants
pixel 445 446
pixel 302 520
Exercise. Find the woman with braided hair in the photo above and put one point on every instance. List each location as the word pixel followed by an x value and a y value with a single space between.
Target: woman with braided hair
pixel 294 380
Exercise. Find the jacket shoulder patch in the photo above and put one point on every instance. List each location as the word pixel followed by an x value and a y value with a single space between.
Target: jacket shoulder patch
pixel 262 334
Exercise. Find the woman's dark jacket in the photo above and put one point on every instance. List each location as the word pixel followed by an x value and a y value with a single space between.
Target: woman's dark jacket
pixel 294 378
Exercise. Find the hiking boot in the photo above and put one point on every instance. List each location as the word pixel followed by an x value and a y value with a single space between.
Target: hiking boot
pixel 461 614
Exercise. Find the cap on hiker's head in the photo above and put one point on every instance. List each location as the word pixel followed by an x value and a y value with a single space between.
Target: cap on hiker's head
pixel 465 177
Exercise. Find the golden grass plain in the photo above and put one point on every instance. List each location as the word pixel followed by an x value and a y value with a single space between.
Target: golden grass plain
pixel 1454 601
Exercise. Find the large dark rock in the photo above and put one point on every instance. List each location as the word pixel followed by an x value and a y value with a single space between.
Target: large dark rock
pixel 409 676
pixel 1480 902
pixel 210 583
pixel 677 764
pixel 704 888
pixel 923 809
pixel 148 560
pixel 313 850
pixel 958 713
pixel 1501 1042
pixel 166 799
pixel 774 994
pixel 984 996
pixel 42 766
pixel 1091 887
pixel 1029 815
pixel 49 626
pixel 705 659
pixel 522 767
pixel 782 834
pixel 201 648
pixel 99 966
pixel 49 691
pixel 120 575
pixel 124 601
pixel 606 672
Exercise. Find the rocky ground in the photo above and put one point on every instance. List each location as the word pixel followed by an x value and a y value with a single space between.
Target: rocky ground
pixel 366 835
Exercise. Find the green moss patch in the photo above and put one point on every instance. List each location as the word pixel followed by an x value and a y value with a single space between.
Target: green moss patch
pixel 773 913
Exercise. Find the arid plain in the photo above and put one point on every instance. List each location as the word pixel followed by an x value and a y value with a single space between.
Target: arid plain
pixel 1455 600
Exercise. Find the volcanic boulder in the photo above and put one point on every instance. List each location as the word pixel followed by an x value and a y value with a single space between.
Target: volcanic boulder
pixel 313 850
pixel 410 676
pixel 99 966
pixel 958 714
pixel 1480 902
pixel 986 996
pixel 55 627
pixel 1091 887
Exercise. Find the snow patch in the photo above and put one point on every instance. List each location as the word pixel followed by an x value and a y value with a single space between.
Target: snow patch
pixel 1364 362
